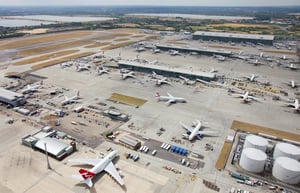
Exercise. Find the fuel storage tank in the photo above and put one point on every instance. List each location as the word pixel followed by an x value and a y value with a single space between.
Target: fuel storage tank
pixel 287 170
pixel 254 141
pixel 253 160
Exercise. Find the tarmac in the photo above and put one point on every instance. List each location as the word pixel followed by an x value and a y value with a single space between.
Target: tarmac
pixel 24 170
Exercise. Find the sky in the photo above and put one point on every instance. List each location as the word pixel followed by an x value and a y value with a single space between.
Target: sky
pixel 153 2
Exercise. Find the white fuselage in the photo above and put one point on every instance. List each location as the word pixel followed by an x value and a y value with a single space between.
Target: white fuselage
pixel 195 131
pixel 104 162
pixel 70 100
pixel 127 75
pixel 167 98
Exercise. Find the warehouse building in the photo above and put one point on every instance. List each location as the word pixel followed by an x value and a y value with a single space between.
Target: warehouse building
pixel 130 142
pixel 167 71
pixel 234 37
pixel 11 98
pixel 55 148
pixel 202 51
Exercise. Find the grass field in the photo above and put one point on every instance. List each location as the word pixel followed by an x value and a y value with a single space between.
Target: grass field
pixel 40 39
pixel 57 61
pixel 45 57
pixel 54 47
pixel 95 45
pixel 121 40
pixel 223 156
pixel 114 46
pixel 248 127
pixel 127 99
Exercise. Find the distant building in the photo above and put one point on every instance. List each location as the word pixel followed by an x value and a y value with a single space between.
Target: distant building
pixel 130 142
pixel 234 37
pixel 204 51
pixel 11 98
pixel 167 71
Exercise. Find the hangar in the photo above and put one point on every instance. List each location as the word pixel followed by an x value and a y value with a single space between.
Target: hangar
pixel 11 98
pixel 55 148
pixel 234 37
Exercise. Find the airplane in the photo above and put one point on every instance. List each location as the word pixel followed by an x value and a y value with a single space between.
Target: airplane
pixel 100 165
pixel 251 78
pixel 246 98
pixel 256 62
pixel 162 81
pixel 102 70
pixel 139 49
pixel 80 68
pixel 156 50
pixel 65 65
pixel 292 66
pixel 170 99
pixel 174 52
pixel 213 70
pixel 284 57
pixel 129 74
pixel 153 62
pixel 193 132
pixel 33 88
pixel 187 81
pixel 295 105
pixel 292 84
pixel 72 99
pixel 220 57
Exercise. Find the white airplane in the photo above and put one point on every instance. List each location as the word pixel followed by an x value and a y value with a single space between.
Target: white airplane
pixel 129 74
pixel 156 50
pixel 33 88
pixel 72 99
pixel 100 165
pixel 283 57
pixel 174 52
pixel 213 70
pixel 139 49
pixel 292 66
pixel 256 62
pixel 220 57
pixel 246 98
pixel 153 62
pixel 292 84
pixel 80 68
pixel 162 81
pixel 193 132
pixel 295 105
pixel 187 81
pixel 170 99
pixel 251 78
pixel 102 70
pixel 65 65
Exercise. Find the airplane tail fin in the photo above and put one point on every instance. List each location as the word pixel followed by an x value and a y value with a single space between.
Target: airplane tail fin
pixel 86 174
pixel 77 94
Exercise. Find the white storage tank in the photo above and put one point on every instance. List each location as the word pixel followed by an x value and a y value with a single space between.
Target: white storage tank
pixel 254 141
pixel 286 150
pixel 287 170
pixel 253 160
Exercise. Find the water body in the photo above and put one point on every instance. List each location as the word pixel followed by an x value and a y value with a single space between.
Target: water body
pixel 20 23
pixel 192 16
pixel 56 18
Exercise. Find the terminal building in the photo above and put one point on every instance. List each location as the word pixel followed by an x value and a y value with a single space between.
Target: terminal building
pixel 167 71
pixel 11 98
pixel 234 37
pixel 202 51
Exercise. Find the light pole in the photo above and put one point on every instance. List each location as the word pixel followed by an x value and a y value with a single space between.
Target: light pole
pixel 48 163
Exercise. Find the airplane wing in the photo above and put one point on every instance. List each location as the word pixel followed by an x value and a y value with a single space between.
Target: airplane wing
pixel 170 95
pixel 253 98
pixel 87 181
pixel 88 161
pixel 186 127
pixel 206 132
pixel 110 168
pixel 170 101
pixel 66 98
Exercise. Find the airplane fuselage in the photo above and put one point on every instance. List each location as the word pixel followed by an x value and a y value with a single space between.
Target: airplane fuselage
pixel 104 162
